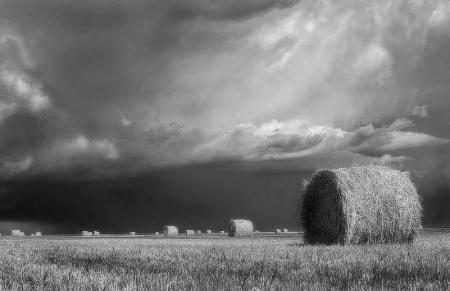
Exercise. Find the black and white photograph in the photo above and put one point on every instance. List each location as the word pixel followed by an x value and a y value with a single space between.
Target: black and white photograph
pixel 242 145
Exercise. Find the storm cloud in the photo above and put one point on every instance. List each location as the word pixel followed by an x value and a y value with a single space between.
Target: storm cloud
pixel 111 87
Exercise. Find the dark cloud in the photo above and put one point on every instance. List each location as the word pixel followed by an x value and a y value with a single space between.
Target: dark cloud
pixel 113 87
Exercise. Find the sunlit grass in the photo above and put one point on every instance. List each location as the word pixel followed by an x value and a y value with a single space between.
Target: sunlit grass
pixel 221 263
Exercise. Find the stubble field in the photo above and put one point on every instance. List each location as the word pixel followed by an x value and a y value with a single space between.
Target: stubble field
pixel 265 262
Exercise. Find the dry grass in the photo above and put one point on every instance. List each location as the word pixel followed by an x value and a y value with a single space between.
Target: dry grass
pixel 220 263
pixel 361 205
pixel 240 227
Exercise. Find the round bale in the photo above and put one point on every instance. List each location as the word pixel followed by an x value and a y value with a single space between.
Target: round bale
pixel 190 232
pixel 358 205
pixel 170 231
pixel 240 227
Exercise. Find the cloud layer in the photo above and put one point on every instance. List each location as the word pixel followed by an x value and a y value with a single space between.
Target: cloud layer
pixel 109 85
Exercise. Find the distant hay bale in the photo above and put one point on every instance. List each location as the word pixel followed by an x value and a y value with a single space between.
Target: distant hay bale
pixel 38 233
pixel 96 233
pixel 21 234
pixel 284 230
pixel 33 234
pixel 256 231
pixel 170 231
pixel 277 230
pixel 15 232
pixel 222 231
pixel 190 232
pixel 156 233
pixel 373 204
pixel 198 232
pixel 208 231
pixel 240 227
pixel 132 233
pixel 86 233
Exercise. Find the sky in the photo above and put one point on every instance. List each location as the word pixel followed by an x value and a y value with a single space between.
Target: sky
pixel 118 114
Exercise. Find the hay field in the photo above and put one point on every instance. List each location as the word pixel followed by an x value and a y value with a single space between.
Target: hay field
pixel 217 262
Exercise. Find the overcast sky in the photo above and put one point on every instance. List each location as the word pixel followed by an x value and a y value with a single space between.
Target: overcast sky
pixel 105 88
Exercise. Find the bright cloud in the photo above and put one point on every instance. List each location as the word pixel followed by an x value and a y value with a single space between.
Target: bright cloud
pixel 9 169
pixel 420 111
pixel 321 82
pixel 81 146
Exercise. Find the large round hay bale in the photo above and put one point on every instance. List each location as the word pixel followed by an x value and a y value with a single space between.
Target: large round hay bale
pixel 170 230
pixel 190 232
pixel 240 227
pixel 373 204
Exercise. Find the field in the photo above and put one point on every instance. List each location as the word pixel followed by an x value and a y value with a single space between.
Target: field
pixel 265 262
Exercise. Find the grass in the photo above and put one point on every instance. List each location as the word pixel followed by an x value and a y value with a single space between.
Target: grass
pixel 220 263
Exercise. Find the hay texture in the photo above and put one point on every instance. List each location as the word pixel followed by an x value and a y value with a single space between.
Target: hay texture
pixel 15 232
pixel 190 232
pixel 170 231
pixel 374 204
pixel 240 227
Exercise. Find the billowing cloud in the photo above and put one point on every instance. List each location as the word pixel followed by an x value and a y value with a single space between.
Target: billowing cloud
pixel 420 111
pixel 17 87
pixel 321 82
pixel 81 146
pixel 11 169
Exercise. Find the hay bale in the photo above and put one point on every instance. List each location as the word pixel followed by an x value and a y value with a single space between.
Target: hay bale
pixel 240 227
pixel 198 232
pixel 132 233
pixel 15 232
pixel 277 230
pixel 156 233
pixel 256 231
pixel 21 234
pixel 96 233
pixel 284 230
pixel 33 234
pixel 373 204
pixel 38 233
pixel 86 233
pixel 208 231
pixel 190 232
pixel 222 231
pixel 170 231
